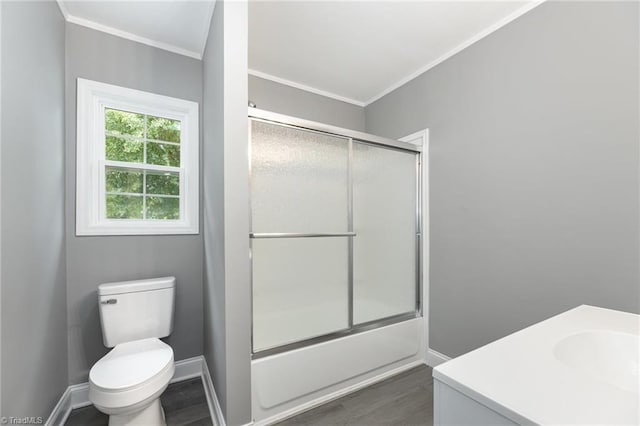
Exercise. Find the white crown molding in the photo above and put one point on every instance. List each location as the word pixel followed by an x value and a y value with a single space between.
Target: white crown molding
pixel 127 35
pixel 205 39
pixel 479 36
pixel 63 9
pixel 198 55
pixel 304 87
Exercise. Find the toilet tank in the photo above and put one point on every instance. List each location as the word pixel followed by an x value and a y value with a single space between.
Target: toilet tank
pixel 134 310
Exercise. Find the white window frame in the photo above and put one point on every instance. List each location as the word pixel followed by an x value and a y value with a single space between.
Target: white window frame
pixel 93 98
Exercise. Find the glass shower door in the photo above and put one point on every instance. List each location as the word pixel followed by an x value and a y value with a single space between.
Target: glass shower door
pixel 385 219
pixel 335 234
pixel 300 234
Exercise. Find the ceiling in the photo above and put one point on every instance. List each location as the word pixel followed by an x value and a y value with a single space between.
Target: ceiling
pixel 180 26
pixel 359 51
pixel 355 51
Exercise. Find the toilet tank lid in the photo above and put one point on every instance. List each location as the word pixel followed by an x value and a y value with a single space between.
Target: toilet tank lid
pixel 122 287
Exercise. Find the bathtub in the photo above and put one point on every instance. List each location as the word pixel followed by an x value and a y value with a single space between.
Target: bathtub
pixel 579 367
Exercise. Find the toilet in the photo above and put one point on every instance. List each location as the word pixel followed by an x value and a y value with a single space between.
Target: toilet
pixel 127 382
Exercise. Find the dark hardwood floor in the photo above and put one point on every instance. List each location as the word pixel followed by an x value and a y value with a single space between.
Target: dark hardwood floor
pixel 402 400
pixel 184 404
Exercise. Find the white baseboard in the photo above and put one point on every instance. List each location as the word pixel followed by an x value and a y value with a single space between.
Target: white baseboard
pixel 212 399
pixel 188 369
pixel 77 396
pixel 335 395
pixel 61 411
pixel 435 358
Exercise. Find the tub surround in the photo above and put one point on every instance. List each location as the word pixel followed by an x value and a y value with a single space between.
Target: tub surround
pixel 579 367
pixel 285 384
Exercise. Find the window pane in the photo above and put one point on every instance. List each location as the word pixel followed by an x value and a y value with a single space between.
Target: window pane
pixel 123 180
pixel 163 208
pixel 119 149
pixel 163 183
pixel 124 123
pixel 163 154
pixel 124 207
pixel 163 129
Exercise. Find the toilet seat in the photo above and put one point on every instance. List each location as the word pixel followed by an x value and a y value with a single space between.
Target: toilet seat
pixel 130 375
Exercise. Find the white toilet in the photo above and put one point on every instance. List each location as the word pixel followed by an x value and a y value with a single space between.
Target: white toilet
pixel 127 382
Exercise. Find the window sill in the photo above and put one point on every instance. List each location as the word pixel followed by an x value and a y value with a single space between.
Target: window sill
pixel 138 229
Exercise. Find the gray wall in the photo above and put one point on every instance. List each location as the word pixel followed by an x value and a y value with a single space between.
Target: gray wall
pixel 227 293
pixel 34 334
pixel 276 97
pixel 93 260
pixel 213 151
pixel 534 170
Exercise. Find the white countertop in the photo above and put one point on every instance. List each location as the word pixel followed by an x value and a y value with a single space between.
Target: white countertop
pixel 521 376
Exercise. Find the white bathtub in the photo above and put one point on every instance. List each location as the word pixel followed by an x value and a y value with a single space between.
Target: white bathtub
pixel 580 367
pixel 291 382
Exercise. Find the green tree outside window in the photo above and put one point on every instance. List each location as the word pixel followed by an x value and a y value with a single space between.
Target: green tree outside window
pixel 135 193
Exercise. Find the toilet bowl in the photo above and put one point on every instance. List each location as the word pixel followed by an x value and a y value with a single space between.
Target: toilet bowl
pixel 127 382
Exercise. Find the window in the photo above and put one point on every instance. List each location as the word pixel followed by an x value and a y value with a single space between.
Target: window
pixel 137 162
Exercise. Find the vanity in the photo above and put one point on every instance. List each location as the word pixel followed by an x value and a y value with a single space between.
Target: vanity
pixel 579 367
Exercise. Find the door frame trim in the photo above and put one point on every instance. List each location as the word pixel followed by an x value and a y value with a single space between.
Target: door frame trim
pixel 421 138
pixel 415 144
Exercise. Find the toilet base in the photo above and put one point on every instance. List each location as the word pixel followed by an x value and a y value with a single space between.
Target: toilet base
pixel 152 415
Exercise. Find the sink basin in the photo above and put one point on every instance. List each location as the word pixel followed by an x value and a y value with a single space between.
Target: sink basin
pixel 577 368
pixel 608 356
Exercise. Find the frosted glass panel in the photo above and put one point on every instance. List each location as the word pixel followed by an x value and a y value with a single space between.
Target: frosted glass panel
pixel 298 180
pixel 384 251
pixel 300 289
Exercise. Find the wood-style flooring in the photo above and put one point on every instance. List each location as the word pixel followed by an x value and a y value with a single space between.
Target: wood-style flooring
pixel 402 400
pixel 184 404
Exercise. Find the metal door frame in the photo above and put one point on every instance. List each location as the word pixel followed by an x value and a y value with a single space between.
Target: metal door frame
pixel 351 137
